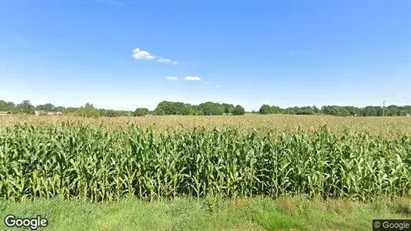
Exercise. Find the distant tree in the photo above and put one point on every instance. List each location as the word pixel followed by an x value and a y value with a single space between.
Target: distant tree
pixel 335 111
pixel 228 108
pixel 379 110
pixel 392 110
pixel 71 110
pixel 199 112
pixel 87 111
pixel 275 110
pixel 344 112
pixel 326 110
pixel 46 107
pixel 186 109
pixel 165 108
pixel 265 109
pixel 315 109
pixel 210 108
pixel 291 111
pixel 7 106
pixel 108 112
pixel 60 108
pixel 238 110
pixel 407 109
pixel 305 111
pixel 196 110
pixel 159 111
pixel 25 107
pixel 141 112
pixel 175 108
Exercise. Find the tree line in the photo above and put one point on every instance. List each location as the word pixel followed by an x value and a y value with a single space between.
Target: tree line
pixel 207 108
pixel 88 110
pixel 391 110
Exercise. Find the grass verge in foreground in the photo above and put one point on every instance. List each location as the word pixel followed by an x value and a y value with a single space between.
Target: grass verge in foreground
pixel 209 214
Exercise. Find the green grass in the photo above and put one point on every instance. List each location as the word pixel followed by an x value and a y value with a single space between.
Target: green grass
pixel 211 213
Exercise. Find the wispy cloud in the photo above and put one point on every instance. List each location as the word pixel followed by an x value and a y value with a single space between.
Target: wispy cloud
pixel 166 60
pixel 140 54
pixel 171 78
pixel 192 78
pixel 218 86
pixel 304 52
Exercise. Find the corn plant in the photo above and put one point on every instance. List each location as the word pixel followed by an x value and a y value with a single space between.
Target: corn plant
pixel 73 159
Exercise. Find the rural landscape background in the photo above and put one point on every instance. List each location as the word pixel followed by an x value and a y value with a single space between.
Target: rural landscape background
pixel 205 115
pixel 207 108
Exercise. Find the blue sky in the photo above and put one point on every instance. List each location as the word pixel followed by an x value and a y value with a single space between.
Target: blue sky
pixel 128 54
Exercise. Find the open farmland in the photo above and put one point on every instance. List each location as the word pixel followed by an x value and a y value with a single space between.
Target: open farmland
pixel 384 126
pixel 167 157
pixel 249 172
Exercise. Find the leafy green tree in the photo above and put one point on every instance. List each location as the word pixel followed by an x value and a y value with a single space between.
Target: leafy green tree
pixel 25 107
pixel 291 111
pixel 265 109
pixel 108 112
pixel 392 110
pixel 210 108
pixel 46 107
pixel 165 108
pixel 228 108
pixel 175 108
pixel 60 108
pixel 344 112
pixel 7 106
pixel 186 109
pixel 326 110
pixel 238 110
pixel 275 110
pixel 141 112
pixel 159 111
pixel 305 111
pixel 372 111
pixel 88 111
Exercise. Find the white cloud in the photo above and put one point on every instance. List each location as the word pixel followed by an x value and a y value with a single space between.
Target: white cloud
pixel 166 60
pixel 171 78
pixel 192 78
pixel 140 54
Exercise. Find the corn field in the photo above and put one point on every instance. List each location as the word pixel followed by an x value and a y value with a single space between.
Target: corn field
pixel 98 163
